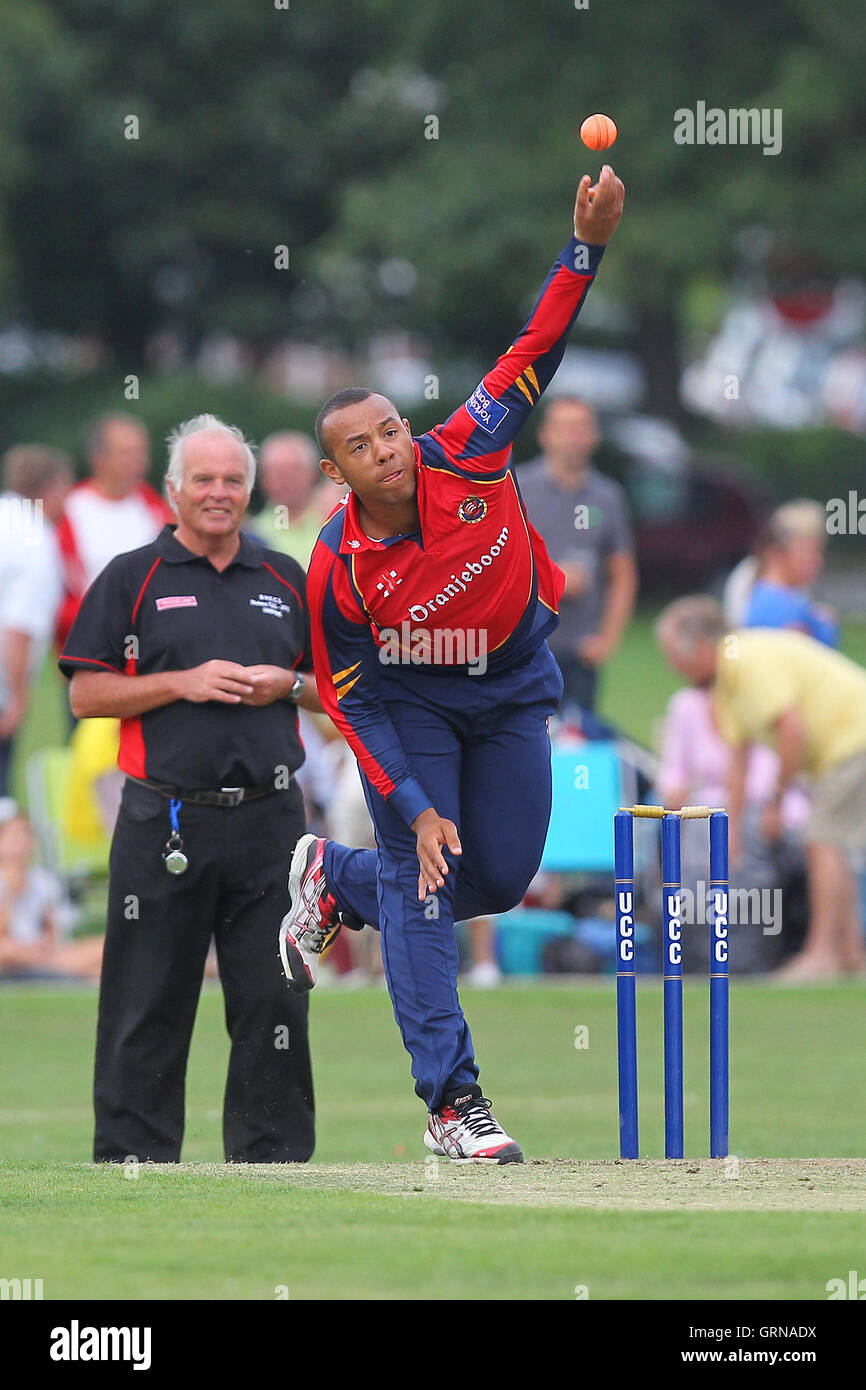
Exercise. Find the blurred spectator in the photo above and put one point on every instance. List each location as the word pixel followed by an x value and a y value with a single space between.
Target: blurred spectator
pixel 35 480
pixel 482 969
pixel 695 770
pixel 786 690
pixel 288 474
pixel 112 511
pixel 583 518
pixel 326 496
pixel 791 560
pixel 31 908
pixel 95 781
pixel 769 588
pixel 348 822
pixel 695 766
pixel 739 584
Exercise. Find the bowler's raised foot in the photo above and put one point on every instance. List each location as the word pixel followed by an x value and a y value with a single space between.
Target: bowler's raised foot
pixel 313 919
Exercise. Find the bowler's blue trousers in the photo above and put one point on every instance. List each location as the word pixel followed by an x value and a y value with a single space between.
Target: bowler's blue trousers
pixel 480 748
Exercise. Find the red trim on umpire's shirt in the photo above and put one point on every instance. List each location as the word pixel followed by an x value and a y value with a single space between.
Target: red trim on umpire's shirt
pixel 153 567
pixel 302 652
pixel 266 566
pixel 92 661
pixel 132 754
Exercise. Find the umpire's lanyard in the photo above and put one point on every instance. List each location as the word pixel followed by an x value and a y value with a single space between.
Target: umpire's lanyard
pixel 175 860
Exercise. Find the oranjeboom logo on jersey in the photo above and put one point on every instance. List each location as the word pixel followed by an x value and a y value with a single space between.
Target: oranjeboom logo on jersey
pixel 472 509
pixel 419 612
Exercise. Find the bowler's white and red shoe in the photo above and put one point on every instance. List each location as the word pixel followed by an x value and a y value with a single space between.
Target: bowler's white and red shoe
pixel 467 1129
pixel 313 920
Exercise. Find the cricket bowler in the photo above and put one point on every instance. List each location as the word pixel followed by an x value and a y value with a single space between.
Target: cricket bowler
pixel 431 598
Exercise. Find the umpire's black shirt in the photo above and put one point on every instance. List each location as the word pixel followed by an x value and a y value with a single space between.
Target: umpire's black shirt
pixel 162 608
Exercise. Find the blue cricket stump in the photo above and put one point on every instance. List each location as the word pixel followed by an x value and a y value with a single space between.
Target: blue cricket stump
pixel 673 986
pixel 629 1146
pixel 673 976
pixel 719 1028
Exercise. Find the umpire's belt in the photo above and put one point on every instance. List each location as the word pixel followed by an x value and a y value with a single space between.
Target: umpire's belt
pixel 220 796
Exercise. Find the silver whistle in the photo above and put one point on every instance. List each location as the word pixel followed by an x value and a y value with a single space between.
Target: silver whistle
pixel 176 861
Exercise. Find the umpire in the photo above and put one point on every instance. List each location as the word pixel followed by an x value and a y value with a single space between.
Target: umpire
pixel 196 642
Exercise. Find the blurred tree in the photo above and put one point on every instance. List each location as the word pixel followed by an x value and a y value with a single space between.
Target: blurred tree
pixel 25 36
pixel 170 151
pixel 311 127
pixel 481 210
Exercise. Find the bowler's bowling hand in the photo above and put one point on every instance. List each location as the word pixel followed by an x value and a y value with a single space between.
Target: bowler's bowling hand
pixel 598 208
pixel 433 832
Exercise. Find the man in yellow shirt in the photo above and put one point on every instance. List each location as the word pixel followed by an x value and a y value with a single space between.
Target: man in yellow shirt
pixel 784 689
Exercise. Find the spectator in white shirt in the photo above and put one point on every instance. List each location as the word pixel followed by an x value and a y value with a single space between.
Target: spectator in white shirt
pixel 112 511
pixel 36 481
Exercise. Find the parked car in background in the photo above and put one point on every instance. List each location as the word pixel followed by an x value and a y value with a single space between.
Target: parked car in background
pixel 695 515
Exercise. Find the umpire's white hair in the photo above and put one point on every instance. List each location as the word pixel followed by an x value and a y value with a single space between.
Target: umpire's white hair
pixel 181 433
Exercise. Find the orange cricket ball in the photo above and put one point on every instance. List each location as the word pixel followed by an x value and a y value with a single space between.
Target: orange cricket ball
pixel 598 132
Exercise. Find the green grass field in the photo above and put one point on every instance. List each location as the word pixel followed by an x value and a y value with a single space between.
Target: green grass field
pixel 372 1217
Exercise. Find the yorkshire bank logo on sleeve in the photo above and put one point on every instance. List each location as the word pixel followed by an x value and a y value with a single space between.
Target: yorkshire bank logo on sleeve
pixel 488 412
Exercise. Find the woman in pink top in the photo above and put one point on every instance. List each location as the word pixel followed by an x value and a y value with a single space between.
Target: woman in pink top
pixel 695 761
pixel 694 772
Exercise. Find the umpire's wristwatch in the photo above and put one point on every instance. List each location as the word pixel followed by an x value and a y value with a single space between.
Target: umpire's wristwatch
pixel 297 689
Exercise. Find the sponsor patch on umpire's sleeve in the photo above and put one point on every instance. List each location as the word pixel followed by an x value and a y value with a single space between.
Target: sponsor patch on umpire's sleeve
pixel 488 412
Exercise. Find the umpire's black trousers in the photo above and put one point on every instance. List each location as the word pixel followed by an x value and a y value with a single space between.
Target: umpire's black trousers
pixel 159 929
